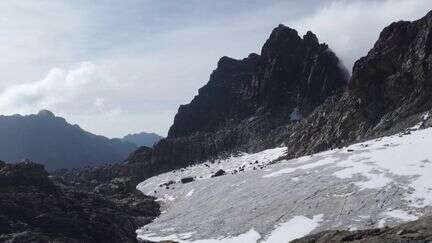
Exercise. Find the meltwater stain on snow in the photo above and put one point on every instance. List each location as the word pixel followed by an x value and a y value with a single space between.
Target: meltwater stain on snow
pixel 371 184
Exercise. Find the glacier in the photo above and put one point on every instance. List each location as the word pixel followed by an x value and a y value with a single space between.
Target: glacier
pixel 265 198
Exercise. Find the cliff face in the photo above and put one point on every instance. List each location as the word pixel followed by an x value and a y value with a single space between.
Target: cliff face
pixel 296 93
pixel 396 73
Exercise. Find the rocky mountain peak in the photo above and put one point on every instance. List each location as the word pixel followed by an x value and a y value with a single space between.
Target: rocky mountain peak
pixel 281 38
pixel 311 38
pixel 244 99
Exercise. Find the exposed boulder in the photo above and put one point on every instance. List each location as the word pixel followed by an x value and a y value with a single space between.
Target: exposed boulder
pixel 219 173
pixel 187 180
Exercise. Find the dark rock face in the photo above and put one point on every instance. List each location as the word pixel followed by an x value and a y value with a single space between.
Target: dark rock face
pixel 396 73
pixel 53 142
pixel 416 231
pixel 288 80
pixel 34 209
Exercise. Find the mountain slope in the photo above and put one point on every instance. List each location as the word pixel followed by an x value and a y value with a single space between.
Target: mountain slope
pixel 52 141
pixel 142 139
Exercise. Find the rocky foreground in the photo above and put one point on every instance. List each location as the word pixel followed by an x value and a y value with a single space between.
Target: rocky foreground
pixel 416 231
pixel 37 208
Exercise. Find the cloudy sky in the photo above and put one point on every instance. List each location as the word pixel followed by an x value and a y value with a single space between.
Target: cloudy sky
pixel 117 67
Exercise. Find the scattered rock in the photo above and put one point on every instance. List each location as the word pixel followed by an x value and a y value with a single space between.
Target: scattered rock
pixel 219 173
pixel 187 180
pixel 166 184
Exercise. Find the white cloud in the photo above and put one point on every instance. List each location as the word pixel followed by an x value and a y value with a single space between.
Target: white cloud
pixel 80 90
pixel 36 36
pixel 351 27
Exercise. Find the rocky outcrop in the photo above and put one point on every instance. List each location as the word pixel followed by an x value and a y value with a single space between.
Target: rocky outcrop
pixel 396 73
pixel 135 168
pixel 416 231
pixel 390 90
pixel 296 94
pixel 51 141
pixel 34 209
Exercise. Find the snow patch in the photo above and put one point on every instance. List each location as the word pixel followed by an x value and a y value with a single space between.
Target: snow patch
pixel 296 227
pixel 303 167
pixel 250 236
pixel 400 214
pixel 165 198
pixel 190 193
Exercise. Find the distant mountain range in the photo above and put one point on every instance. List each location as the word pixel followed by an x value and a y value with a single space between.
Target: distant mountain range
pixel 142 139
pixel 53 142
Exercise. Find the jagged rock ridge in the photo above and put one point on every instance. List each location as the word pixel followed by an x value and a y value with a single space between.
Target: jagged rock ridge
pixel 288 80
pixel 246 99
